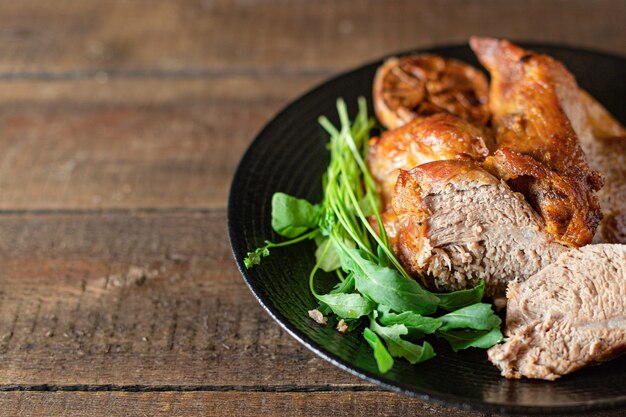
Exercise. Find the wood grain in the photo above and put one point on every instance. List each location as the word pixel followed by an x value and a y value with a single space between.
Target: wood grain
pixel 137 299
pixel 253 404
pixel 144 314
pixel 254 36
pixel 219 404
pixel 121 124
pixel 128 143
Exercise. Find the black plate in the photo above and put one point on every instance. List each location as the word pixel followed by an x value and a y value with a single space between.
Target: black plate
pixel 289 155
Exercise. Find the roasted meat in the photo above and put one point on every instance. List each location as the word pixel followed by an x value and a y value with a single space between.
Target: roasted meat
pixel 605 147
pixel 455 223
pixel 422 85
pixel 425 139
pixel 536 105
pixel 570 314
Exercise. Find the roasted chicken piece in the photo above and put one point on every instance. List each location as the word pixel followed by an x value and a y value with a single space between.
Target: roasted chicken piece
pixel 425 139
pixel 536 106
pixel 422 85
pixel 605 147
pixel 455 223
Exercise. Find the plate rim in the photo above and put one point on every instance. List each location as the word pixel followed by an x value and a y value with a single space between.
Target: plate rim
pixel 285 324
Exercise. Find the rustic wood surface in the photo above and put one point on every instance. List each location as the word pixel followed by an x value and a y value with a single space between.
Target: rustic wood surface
pixel 121 124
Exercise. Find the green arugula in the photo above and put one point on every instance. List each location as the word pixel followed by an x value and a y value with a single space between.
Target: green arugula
pixel 463 339
pixel 381 354
pixel 293 216
pixel 348 306
pixel 478 316
pixel 372 284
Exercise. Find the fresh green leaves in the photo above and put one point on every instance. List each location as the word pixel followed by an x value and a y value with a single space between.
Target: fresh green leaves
pixel 381 354
pixel 477 316
pixel 328 255
pixel 343 287
pixel 373 288
pixel 463 339
pixel 386 286
pixel 348 306
pixel 254 257
pixel 454 300
pixel 293 216
pixel 472 326
pixel 399 347
pixel 416 324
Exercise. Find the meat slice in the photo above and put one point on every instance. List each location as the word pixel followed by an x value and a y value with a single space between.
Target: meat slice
pixel 569 315
pixel 455 223
pixel 604 144
pixel 425 139
pixel 536 109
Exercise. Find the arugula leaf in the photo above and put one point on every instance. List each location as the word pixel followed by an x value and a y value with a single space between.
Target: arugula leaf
pixel 327 253
pixel 343 287
pixel 348 306
pixel 386 286
pixel 477 316
pixel 382 356
pixel 254 257
pixel 399 347
pixel 454 300
pixel 410 351
pixel 417 325
pixel 383 259
pixel 293 216
pixel 463 339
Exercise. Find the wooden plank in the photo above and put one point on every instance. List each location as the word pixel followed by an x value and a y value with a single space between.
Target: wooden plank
pixel 218 404
pixel 240 404
pixel 75 35
pixel 128 143
pixel 137 299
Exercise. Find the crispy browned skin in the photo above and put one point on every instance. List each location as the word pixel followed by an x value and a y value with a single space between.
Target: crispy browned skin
pixel 424 84
pixel 426 139
pixel 536 103
pixel 605 147
pixel 454 223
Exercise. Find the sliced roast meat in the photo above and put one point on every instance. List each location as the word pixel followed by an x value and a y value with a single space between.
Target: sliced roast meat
pixel 569 315
pixel 605 147
pixel 537 111
pixel 455 223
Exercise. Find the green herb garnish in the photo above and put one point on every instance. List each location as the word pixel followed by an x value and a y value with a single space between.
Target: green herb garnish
pixel 372 285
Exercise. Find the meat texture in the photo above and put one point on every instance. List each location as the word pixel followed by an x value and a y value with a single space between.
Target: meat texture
pixel 605 146
pixel 569 315
pixel 455 223
pixel 536 110
pixel 425 139
pixel 422 85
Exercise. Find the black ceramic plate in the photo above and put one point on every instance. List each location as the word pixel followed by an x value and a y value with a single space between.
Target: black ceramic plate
pixel 289 155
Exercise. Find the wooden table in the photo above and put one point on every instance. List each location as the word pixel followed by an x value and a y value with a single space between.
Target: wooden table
pixel 121 124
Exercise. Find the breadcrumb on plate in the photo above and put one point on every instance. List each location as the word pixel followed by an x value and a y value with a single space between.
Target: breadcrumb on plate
pixel 318 317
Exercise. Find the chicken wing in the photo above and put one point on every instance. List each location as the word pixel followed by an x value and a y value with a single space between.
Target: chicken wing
pixel 536 110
